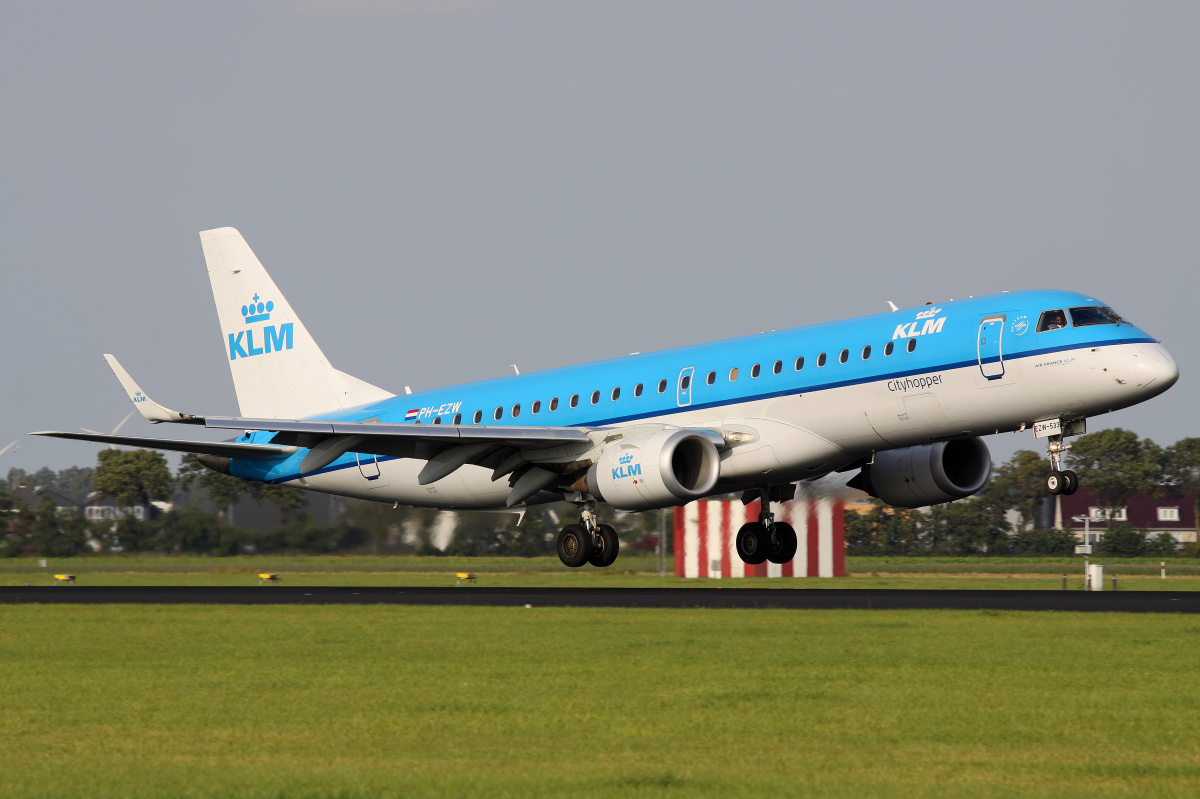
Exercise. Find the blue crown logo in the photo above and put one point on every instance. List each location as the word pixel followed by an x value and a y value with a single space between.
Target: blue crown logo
pixel 257 311
pixel 626 458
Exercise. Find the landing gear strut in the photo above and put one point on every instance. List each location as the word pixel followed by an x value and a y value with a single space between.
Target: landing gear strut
pixel 766 539
pixel 588 542
pixel 1059 481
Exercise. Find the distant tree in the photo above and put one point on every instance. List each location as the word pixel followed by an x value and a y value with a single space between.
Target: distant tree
pixel 1044 543
pixel 1123 541
pixel 1162 545
pixel 75 482
pixel 1181 463
pixel 134 476
pixel 1114 464
pixel 883 531
pixel 57 535
pixel 527 540
pixel 968 527
pixel 1022 482
pixel 225 490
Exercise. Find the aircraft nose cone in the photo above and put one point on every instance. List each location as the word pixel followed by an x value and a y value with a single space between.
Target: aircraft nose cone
pixel 1155 369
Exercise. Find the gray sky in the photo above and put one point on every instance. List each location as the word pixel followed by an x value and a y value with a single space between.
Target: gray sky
pixel 444 188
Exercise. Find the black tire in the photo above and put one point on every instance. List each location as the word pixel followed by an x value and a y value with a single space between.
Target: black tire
pixel 1055 483
pixel 1070 482
pixel 606 553
pixel 752 543
pixel 783 544
pixel 574 545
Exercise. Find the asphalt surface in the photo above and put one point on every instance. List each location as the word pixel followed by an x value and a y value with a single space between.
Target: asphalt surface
pixel 786 598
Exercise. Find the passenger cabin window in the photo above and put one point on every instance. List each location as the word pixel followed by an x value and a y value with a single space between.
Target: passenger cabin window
pixel 712 378
pixel 912 344
pixel 637 390
pixel 685 382
pixel 799 363
pixel 821 359
pixel 537 406
pixel 499 412
pixel 866 353
pixel 595 397
pixel 438 420
pixel 574 400
pixel 1052 320
pixel 887 349
pixel 457 418
pixel 516 410
pixel 1094 315
pixel 662 386
pixel 616 394
pixel 755 370
pixel 478 417
pixel 733 374
pixel 554 404
pixel 844 356
pixel 778 367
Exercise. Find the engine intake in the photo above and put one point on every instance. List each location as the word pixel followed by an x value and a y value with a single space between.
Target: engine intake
pixel 914 477
pixel 655 471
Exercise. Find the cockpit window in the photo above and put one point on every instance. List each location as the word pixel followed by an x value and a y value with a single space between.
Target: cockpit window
pixel 1095 315
pixel 1052 320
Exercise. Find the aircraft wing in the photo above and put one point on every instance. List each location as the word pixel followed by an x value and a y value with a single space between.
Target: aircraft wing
pixel 224 449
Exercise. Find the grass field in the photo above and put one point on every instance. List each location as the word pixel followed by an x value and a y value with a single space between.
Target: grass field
pixel 372 701
pixel 634 571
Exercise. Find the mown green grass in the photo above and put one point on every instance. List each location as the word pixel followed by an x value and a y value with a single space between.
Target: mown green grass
pixel 188 701
pixel 635 571
pixel 608 578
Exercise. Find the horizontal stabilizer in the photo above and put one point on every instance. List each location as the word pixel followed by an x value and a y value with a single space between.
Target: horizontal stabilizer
pixel 148 408
pixel 223 449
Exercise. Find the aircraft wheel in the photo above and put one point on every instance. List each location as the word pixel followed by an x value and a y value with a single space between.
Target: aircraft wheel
pixel 783 548
pixel 574 545
pixel 606 553
pixel 752 543
pixel 1070 482
pixel 1055 483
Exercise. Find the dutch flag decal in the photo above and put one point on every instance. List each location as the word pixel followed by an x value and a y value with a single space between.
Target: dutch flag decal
pixel 413 414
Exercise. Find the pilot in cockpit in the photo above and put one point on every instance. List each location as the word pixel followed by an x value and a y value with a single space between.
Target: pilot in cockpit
pixel 1052 320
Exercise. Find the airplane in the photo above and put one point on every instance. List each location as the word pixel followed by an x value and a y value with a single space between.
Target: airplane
pixel 902 398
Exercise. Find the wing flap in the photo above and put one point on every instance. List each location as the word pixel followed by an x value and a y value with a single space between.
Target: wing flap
pixel 443 434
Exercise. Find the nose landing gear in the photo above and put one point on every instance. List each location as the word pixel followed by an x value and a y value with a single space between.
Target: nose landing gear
pixel 1059 481
pixel 588 542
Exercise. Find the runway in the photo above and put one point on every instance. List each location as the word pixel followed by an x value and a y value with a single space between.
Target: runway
pixel 751 598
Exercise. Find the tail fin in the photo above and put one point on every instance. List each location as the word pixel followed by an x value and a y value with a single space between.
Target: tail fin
pixel 279 372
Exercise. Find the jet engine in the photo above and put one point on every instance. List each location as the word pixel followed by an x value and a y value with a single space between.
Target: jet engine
pixel 655 471
pixel 914 477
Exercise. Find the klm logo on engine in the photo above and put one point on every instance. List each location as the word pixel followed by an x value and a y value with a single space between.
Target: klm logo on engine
pixel 272 338
pixel 928 324
pixel 627 467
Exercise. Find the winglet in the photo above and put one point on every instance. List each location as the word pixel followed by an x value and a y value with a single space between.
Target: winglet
pixel 148 408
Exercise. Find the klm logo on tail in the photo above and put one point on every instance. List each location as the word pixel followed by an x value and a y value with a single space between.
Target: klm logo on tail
pixel 274 338
pixel 627 468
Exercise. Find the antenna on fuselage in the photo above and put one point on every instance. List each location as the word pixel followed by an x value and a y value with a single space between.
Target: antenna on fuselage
pixel 892 305
pixel 515 369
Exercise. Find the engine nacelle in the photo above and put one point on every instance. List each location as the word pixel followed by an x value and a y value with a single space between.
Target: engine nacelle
pixel 914 477
pixel 655 471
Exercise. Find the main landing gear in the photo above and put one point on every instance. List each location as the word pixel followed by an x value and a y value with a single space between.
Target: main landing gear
pixel 1059 481
pixel 766 539
pixel 588 542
